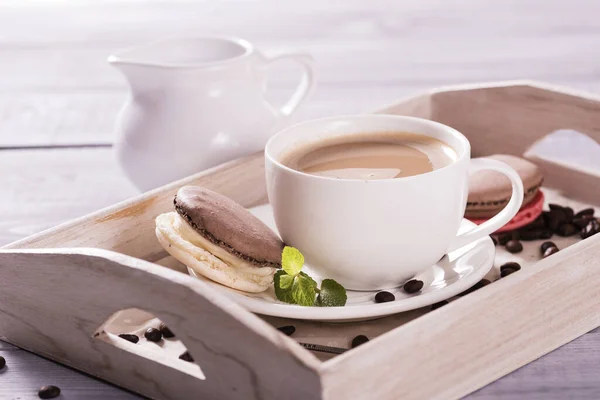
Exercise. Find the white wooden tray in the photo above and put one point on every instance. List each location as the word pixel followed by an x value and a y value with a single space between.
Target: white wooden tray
pixel 66 293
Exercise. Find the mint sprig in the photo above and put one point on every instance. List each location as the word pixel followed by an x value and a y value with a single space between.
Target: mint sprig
pixel 296 287
pixel 332 294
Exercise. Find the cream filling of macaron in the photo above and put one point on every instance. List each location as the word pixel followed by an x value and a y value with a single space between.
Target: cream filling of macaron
pixel 207 259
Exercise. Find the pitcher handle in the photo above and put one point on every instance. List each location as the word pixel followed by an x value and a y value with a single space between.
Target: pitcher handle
pixel 306 82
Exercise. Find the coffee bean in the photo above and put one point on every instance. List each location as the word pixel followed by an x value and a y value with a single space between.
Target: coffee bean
pixel 2 362
pixel 569 213
pixel 544 246
pixel 549 251
pixel 555 207
pixel 439 304
pixel 153 335
pixel 510 265
pixel 186 357
pixel 49 392
pixel 478 285
pixel 556 219
pixel 537 223
pixel 587 211
pixel 494 240
pixel 507 272
pixel 514 246
pixel 581 222
pixel 509 268
pixel 505 238
pixel 546 217
pixel 530 234
pixel 358 340
pixel 287 329
pixel 129 337
pixel 384 297
pixel 413 286
pixel 567 229
pixel 166 332
pixel 546 234
pixel 590 229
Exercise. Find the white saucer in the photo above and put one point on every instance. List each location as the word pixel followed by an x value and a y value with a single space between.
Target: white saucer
pixel 453 274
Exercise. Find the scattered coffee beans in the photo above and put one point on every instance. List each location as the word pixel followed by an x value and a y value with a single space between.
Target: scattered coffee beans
pixel 581 222
pixel 552 206
pixel 384 297
pixel 186 357
pixel 166 332
pixel 478 285
pixel 549 251
pixel 438 305
pixel 153 335
pixel 509 268
pixel 544 246
pixel 587 211
pixel 538 223
pixel 49 392
pixel 514 246
pixel 567 229
pixel 569 213
pixel 129 337
pixel 358 340
pixel 556 219
pixel 511 265
pixel 532 234
pixel 504 238
pixel 590 229
pixel 2 362
pixel 413 286
pixel 287 329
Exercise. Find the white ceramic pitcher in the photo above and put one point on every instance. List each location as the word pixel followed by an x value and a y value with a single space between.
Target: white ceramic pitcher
pixel 195 103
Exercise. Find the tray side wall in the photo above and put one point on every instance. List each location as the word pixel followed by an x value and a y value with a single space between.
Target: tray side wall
pixel 128 227
pixel 509 119
pixel 52 303
pixel 479 338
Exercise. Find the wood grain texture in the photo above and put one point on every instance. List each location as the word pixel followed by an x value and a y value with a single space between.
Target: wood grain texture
pixel 462 346
pixel 56 89
pixel 239 353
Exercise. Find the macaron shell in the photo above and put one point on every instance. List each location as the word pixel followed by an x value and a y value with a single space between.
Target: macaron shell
pixel 229 225
pixel 179 241
pixel 525 216
pixel 490 191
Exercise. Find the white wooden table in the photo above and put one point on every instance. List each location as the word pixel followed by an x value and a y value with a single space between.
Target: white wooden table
pixel 59 98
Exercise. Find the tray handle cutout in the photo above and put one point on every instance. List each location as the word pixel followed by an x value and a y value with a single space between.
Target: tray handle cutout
pixel 52 301
pixel 570 160
pixel 134 321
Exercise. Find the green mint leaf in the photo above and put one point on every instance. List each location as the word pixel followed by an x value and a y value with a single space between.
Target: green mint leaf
pixel 282 294
pixel 292 260
pixel 285 281
pixel 313 282
pixel 303 291
pixel 332 294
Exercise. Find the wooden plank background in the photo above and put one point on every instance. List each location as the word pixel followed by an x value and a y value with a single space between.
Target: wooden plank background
pixel 59 99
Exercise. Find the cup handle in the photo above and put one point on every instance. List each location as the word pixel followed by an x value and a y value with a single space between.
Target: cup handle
pixel 306 82
pixel 507 213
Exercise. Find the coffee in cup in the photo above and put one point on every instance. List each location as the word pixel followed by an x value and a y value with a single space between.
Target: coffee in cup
pixel 371 156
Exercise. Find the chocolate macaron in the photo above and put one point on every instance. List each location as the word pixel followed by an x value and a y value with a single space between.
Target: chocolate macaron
pixel 490 191
pixel 220 239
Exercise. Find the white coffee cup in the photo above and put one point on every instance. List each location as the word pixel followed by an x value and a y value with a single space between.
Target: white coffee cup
pixel 377 234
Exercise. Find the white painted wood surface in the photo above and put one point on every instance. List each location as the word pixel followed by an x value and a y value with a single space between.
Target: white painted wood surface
pixel 55 89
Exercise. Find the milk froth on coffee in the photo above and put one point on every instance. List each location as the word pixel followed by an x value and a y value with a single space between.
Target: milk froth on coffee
pixel 370 156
